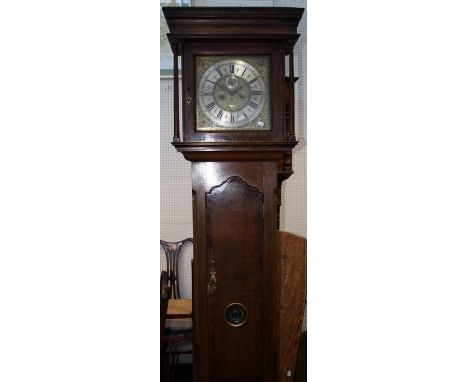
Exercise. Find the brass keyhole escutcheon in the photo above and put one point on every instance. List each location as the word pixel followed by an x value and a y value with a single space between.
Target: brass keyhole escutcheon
pixel 210 289
pixel 188 100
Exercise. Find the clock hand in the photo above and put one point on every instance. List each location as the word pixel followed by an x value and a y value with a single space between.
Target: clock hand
pixel 223 87
pixel 242 87
pixel 226 89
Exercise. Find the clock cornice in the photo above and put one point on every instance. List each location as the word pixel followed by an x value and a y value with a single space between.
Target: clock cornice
pixel 269 21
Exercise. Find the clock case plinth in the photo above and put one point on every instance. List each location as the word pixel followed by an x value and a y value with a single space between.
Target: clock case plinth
pixel 236 181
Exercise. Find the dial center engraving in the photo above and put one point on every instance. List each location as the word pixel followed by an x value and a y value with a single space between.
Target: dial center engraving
pixel 231 93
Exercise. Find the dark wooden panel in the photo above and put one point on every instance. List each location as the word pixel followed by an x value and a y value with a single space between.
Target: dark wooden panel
pixel 260 175
pixel 236 353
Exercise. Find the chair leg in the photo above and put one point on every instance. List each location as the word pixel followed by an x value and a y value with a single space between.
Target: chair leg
pixel 176 361
pixel 173 365
pixel 165 365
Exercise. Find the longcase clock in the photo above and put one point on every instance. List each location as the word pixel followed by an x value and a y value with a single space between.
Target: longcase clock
pixel 238 131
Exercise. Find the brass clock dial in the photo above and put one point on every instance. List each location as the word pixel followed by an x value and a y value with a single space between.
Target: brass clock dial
pixel 233 94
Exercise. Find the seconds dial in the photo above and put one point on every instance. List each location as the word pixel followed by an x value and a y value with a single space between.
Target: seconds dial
pixel 231 93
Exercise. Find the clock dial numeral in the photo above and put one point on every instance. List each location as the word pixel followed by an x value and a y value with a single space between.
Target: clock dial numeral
pixel 242 75
pixel 232 117
pixel 231 68
pixel 252 104
pixel 220 114
pixel 245 115
pixel 210 106
pixel 219 71
pixel 256 92
pixel 252 81
pixel 210 94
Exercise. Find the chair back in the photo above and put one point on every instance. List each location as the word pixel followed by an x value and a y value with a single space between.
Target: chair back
pixel 172 252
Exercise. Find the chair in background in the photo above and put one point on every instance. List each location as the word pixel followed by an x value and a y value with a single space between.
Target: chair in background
pixel 165 292
pixel 179 322
pixel 171 343
pixel 179 309
pixel 172 252
pixel 293 252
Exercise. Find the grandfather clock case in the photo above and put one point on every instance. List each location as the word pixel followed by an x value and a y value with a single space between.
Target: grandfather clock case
pixel 237 107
